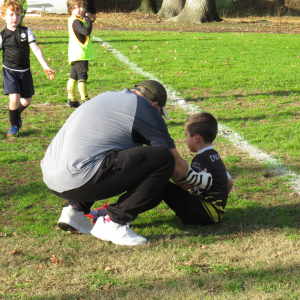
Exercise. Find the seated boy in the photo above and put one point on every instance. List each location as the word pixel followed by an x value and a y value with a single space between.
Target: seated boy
pixel 201 207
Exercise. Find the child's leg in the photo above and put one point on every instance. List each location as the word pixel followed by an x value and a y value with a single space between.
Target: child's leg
pixel 82 69
pixel 72 102
pixel 82 87
pixel 24 103
pixel 187 207
pixel 71 89
pixel 14 114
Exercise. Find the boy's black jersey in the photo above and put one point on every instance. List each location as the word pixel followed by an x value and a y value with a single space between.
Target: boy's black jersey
pixel 15 46
pixel 218 193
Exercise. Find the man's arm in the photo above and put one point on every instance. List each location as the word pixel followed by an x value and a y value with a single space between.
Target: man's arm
pixel 41 58
pixel 181 166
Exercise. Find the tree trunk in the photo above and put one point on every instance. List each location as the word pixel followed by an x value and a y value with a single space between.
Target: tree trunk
pixel 148 7
pixel 278 7
pixel 171 8
pixel 198 11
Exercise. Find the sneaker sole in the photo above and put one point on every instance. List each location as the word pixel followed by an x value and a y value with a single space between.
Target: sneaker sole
pixel 66 227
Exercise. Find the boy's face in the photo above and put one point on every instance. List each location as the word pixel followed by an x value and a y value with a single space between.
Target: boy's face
pixel 12 18
pixel 78 11
pixel 190 140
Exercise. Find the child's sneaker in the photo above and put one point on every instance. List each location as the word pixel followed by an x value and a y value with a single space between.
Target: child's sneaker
pixel 74 220
pixel 107 230
pixel 13 131
pixel 73 104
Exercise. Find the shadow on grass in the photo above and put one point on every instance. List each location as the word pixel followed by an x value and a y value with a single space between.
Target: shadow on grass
pixel 236 222
pixel 284 93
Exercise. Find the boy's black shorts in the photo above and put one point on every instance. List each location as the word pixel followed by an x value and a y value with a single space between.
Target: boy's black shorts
pixel 15 82
pixel 79 69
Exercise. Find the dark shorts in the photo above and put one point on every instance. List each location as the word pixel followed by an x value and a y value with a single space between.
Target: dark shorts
pixel 18 83
pixel 79 70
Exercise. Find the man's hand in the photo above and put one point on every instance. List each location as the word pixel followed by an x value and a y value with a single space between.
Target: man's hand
pixel 202 179
pixel 50 73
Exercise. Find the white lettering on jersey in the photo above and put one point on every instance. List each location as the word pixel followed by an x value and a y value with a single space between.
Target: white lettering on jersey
pixel 214 157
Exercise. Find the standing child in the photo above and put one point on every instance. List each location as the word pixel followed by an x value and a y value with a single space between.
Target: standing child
pixel 17 78
pixel 80 50
pixel 201 207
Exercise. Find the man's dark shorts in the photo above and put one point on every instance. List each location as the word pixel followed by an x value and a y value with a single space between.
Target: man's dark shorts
pixel 79 70
pixel 18 83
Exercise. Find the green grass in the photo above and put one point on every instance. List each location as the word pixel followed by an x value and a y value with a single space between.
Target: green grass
pixel 252 254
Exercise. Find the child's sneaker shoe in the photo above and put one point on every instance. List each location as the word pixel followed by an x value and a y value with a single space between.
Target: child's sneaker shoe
pixel 73 104
pixel 13 131
pixel 74 220
pixel 107 230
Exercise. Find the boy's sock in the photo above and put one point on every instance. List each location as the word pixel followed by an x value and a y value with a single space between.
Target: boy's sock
pixel 71 89
pixel 14 116
pixel 82 87
pixel 22 107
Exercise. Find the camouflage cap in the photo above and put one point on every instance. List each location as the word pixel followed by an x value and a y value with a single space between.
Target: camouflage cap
pixel 155 92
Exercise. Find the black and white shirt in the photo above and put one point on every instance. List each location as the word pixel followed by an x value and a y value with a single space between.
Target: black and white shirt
pixel 15 46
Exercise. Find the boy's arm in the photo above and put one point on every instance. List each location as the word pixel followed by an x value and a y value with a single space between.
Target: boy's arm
pixel 41 58
pixel 78 27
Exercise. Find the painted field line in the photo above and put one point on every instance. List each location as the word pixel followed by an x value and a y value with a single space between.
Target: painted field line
pixel 274 165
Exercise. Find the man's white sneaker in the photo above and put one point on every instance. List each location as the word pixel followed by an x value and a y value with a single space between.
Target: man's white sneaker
pixel 107 230
pixel 74 220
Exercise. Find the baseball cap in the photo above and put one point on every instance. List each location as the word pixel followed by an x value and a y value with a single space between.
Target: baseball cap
pixel 155 92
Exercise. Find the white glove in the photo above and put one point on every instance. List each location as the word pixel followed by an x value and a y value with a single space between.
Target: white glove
pixel 202 180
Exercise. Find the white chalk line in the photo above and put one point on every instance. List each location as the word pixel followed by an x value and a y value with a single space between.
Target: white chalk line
pixel 274 165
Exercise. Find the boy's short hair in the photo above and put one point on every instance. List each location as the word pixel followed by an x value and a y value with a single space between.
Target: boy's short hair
pixel 71 4
pixel 204 124
pixel 13 5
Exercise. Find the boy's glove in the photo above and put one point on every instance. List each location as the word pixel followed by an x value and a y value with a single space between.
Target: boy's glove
pixel 202 180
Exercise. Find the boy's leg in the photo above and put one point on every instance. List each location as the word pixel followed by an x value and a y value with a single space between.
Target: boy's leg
pixel 82 87
pixel 24 103
pixel 82 69
pixel 14 114
pixel 187 207
pixel 71 89
pixel 72 103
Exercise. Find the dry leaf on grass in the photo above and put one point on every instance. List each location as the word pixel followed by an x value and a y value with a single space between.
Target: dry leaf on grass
pixel 16 234
pixel 186 263
pixel 226 271
pixel 14 252
pixel 55 260
pixel 203 246
pixel 39 267
pixel 108 268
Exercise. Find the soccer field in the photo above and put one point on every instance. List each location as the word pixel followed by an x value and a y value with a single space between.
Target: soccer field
pixel 250 82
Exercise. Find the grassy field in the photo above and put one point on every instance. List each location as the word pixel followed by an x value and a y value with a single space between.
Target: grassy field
pixel 250 82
